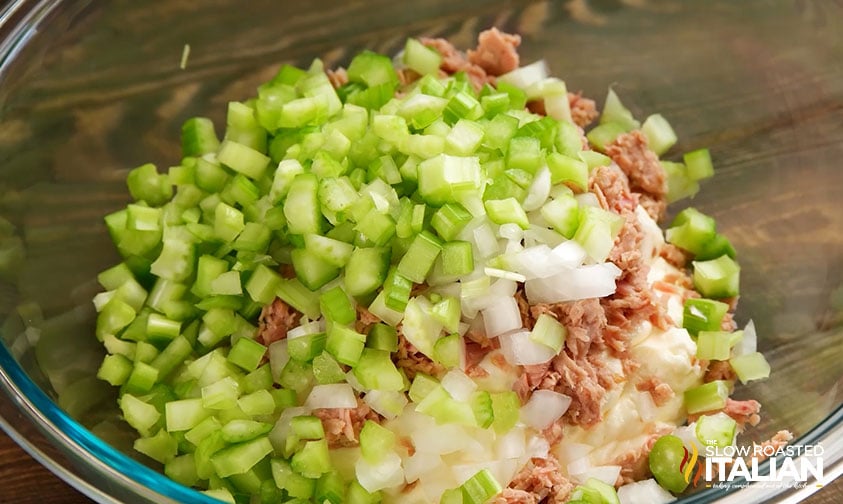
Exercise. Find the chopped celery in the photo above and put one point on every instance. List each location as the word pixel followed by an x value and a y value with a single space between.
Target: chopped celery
pixel 707 397
pixel 749 367
pixel 659 133
pixel 419 258
pixel 717 278
pixel 421 58
pixel 716 430
pixel 615 112
pixel 396 197
pixel 703 315
pixel 241 457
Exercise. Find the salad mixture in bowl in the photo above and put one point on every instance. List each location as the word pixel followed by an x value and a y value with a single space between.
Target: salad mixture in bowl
pixel 419 279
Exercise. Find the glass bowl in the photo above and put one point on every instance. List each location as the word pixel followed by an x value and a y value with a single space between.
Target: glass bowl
pixel 90 89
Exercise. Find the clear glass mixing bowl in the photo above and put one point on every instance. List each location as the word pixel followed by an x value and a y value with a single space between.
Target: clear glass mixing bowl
pixel 90 89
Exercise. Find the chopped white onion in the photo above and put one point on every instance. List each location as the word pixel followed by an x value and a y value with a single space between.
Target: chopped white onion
pixel 388 404
pixel 749 343
pixel 281 430
pixel 525 76
pixel 558 107
pixel 646 406
pixel 458 384
pixel 332 395
pixel 419 464
pixel 592 281
pixel 647 490
pixel 506 275
pixel 537 447
pixel 501 315
pixel 513 247
pixel 579 466
pixel 440 439
pixel 510 231
pixel 568 254
pixel 354 382
pixel 387 473
pixel 485 241
pixel 312 327
pixel 503 287
pixel 532 262
pixel 587 199
pixel 544 408
pixel 538 235
pixel 567 452
pixel 539 190
pixel 607 474
pixel 519 348
pixel 511 445
pixel 652 235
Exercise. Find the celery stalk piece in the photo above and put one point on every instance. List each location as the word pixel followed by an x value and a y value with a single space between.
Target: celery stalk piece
pixel 301 208
pixel 146 184
pixel 707 397
pixel 699 164
pixel 480 488
pixel 749 367
pixel 420 257
pixel 615 112
pixel 659 133
pixel 716 430
pixel 604 134
pixel 703 315
pixel 717 278
pixel 241 457
pixel 421 58
pixel 198 137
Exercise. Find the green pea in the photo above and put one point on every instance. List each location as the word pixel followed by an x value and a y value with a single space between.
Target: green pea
pixel 665 459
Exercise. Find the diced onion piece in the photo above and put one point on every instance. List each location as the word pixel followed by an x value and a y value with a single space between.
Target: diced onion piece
pixel 485 241
pixel 647 490
pixel 420 463
pixel 306 328
pixel 333 395
pixel 511 231
pixel 458 384
pixel 539 190
pixel 749 343
pixel 544 408
pixel 525 76
pixel 568 452
pixel 519 348
pixel 506 275
pixel 538 447
pixel 387 473
pixel 579 466
pixel 592 281
pixel 607 474
pixel 388 404
pixel 439 439
pixel 501 315
pixel 511 445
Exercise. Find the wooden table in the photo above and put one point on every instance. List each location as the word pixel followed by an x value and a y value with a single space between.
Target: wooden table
pixel 25 481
